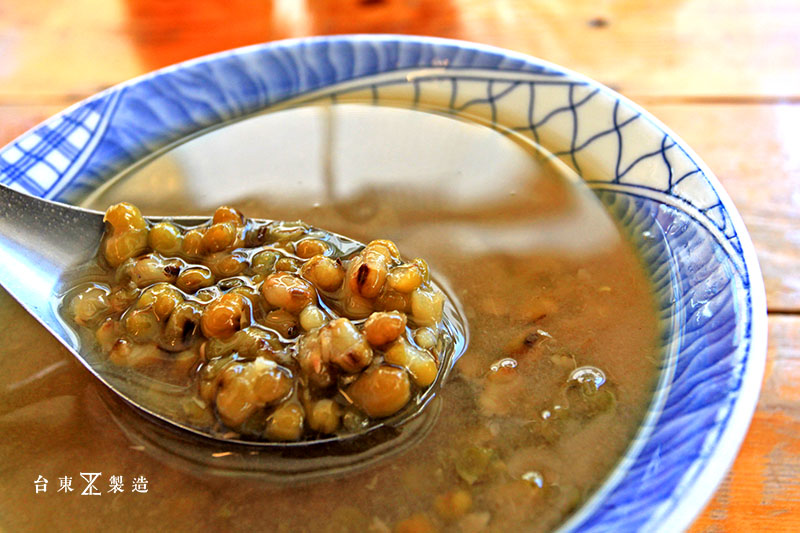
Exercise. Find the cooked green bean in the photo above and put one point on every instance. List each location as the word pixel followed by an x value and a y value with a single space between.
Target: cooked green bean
pixel 265 321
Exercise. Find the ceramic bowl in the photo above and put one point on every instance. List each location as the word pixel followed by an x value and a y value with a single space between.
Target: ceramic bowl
pixel 693 241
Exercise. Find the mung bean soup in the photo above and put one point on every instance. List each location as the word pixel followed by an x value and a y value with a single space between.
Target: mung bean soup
pixel 273 330
pixel 562 359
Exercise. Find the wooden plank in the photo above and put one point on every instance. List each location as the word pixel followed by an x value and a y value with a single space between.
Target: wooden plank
pixel 684 48
pixel 762 491
pixel 16 120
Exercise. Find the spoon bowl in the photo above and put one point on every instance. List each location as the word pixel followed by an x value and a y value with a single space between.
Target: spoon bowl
pixel 43 242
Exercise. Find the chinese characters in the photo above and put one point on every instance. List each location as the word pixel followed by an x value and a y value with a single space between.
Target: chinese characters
pixel 92 484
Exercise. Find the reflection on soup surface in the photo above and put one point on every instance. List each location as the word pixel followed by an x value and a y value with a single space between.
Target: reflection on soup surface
pixel 561 364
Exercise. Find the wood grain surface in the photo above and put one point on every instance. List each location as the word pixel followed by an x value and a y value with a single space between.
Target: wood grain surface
pixel 723 74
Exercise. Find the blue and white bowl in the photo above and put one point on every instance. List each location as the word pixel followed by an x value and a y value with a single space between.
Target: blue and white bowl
pixel 697 249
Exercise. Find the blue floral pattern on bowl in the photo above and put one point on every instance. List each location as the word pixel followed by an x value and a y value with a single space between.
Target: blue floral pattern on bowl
pixel 693 241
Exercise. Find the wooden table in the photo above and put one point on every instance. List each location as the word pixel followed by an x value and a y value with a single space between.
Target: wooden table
pixel 723 74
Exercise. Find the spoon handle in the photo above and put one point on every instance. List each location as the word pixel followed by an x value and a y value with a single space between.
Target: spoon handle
pixel 39 240
pixel 37 230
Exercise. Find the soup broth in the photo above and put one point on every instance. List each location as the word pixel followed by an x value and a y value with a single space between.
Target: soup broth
pixel 561 364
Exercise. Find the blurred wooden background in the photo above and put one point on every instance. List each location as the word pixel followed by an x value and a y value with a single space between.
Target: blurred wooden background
pixel 723 74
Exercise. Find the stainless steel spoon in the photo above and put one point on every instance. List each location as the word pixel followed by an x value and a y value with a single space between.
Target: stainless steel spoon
pixel 41 240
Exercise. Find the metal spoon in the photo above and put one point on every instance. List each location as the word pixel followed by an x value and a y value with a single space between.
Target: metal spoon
pixel 41 240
